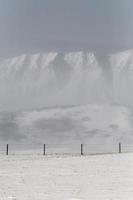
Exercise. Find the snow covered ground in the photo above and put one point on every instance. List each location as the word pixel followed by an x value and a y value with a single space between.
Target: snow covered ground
pixel 99 177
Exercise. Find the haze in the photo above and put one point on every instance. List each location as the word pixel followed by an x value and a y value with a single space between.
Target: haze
pixel 59 25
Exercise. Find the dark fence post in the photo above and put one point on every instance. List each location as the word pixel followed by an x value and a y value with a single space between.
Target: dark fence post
pixel 120 149
pixel 7 149
pixel 81 149
pixel 44 150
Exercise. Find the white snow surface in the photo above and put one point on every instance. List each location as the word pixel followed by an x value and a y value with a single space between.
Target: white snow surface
pixel 104 177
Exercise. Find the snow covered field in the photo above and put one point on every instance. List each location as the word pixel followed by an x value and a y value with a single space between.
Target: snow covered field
pixel 101 177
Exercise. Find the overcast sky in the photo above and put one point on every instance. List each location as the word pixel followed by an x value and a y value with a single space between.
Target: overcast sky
pixel 29 26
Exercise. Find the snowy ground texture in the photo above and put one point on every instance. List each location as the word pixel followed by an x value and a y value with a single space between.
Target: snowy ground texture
pixel 99 177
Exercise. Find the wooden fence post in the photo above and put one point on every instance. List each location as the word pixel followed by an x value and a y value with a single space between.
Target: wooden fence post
pixel 120 149
pixel 81 149
pixel 7 149
pixel 44 149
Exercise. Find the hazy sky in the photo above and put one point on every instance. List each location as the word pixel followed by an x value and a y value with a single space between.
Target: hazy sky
pixel 28 26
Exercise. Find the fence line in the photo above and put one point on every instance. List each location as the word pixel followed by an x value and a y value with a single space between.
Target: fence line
pixel 48 149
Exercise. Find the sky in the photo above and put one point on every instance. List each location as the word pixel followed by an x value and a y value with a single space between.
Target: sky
pixel 31 26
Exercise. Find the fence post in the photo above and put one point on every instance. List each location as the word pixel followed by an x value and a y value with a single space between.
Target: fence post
pixel 7 149
pixel 44 149
pixel 81 149
pixel 120 149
